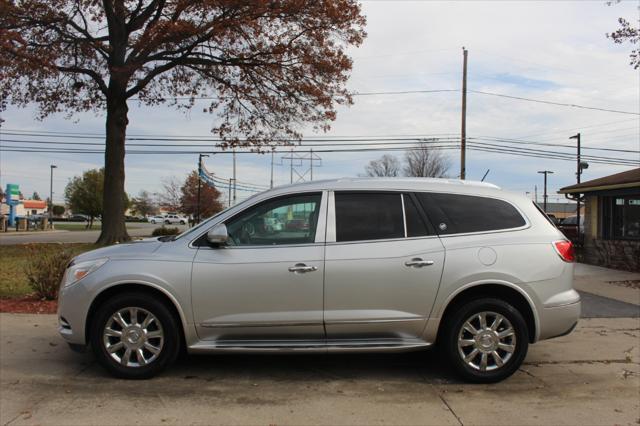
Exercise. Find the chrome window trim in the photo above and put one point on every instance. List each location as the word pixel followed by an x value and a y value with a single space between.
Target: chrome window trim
pixel 224 218
pixel 331 219
pixel 404 215
pixel 322 219
pixel 386 240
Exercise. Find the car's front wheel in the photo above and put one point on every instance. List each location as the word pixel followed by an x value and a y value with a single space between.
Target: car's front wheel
pixel 485 340
pixel 135 336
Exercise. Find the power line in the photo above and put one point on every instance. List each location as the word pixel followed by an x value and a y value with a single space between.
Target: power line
pixel 319 143
pixel 542 101
pixel 527 152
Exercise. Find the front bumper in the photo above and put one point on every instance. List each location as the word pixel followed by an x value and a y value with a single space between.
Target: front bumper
pixel 72 314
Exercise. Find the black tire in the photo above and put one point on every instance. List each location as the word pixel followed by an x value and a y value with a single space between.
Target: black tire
pixel 453 325
pixel 182 222
pixel 167 222
pixel 170 346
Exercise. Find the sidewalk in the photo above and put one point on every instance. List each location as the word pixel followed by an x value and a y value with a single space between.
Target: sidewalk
pixel 12 233
pixel 606 282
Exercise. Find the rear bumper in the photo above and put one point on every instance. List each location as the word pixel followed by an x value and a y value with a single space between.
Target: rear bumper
pixel 559 320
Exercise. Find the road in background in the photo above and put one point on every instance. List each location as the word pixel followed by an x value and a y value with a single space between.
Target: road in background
pixel 135 229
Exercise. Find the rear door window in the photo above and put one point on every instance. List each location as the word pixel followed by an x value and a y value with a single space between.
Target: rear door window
pixel 362 216
pixel 455 213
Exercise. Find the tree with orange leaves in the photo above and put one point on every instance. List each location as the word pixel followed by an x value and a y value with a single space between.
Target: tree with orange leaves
pixel 268 66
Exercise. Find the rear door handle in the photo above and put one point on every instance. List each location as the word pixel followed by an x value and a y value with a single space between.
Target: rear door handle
pixel 301 268
pixel 416 262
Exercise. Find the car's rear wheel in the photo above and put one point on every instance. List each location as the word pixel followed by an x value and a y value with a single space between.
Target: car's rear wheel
pixel 167 222
pixel 485 340
pixel 135 336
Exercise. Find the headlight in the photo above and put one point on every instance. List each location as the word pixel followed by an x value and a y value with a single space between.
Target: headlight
pixel 78 271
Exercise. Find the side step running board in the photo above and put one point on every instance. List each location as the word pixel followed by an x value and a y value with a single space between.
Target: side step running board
pixel 318 346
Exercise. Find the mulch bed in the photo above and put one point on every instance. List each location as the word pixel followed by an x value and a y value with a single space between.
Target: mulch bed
pixel 28 305
pixel 627 283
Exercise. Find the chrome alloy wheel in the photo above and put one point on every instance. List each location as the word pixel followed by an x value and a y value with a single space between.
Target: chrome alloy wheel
pixel 133 337
pixel 486 341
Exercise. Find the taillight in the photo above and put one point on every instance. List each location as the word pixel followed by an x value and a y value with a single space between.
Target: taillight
pixel 565 250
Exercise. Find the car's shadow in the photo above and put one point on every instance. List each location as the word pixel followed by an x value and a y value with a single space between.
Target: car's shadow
pixel 419 366
pixel 413 366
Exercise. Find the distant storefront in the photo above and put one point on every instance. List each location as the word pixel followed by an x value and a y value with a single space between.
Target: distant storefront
pixel 612 219
pixel 562 210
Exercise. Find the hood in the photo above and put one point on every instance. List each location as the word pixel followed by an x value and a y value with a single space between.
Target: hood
pixel 134 249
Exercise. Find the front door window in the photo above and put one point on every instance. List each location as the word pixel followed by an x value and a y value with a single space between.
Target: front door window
pixel 286 220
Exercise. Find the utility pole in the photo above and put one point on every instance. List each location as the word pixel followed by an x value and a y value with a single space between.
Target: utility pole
pixel 579 168
pixel 271 185
pixel 535 191
pixel 53 166
pixel 463 132
pixel 291 179
pixel 311 162
pixel 235 188
pixel 230 179
pixel 545 173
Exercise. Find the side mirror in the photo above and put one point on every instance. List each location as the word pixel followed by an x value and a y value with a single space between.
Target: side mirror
pixel 218 235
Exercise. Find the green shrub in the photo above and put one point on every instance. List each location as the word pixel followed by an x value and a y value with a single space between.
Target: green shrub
pixel 164 231
pixel 45 267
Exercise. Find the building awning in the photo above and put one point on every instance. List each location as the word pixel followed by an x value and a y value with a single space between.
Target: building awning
pixel 628 179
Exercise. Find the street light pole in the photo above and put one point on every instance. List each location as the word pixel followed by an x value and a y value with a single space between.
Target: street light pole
pixel 545 173
pixel 53 166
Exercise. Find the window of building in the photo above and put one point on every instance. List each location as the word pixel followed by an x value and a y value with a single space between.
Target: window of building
pixel 287 220
pixel 621 217
pixel 468 213
pixel 368 216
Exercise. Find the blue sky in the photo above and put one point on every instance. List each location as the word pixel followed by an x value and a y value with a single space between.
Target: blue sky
pixel 555 51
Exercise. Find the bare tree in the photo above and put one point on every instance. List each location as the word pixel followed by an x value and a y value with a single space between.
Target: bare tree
pixel 171 193
pixel 387 165
pixel 421 161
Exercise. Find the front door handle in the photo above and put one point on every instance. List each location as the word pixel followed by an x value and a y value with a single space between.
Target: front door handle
pixel 416 262
pixel 301 268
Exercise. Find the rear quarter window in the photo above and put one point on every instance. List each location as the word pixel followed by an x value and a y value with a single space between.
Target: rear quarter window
pixel 455 213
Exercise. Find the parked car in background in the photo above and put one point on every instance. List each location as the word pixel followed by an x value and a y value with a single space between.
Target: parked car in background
pixel 381 265
pixel 79 218
pixel 569 228
pixel 553 219
pixel 297 225
pixel 174 218
pixel 156 219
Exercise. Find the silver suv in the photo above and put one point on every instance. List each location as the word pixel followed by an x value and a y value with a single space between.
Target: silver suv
pixel 353 265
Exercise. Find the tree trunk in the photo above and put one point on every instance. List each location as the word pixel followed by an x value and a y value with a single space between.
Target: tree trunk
pixel 113 225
